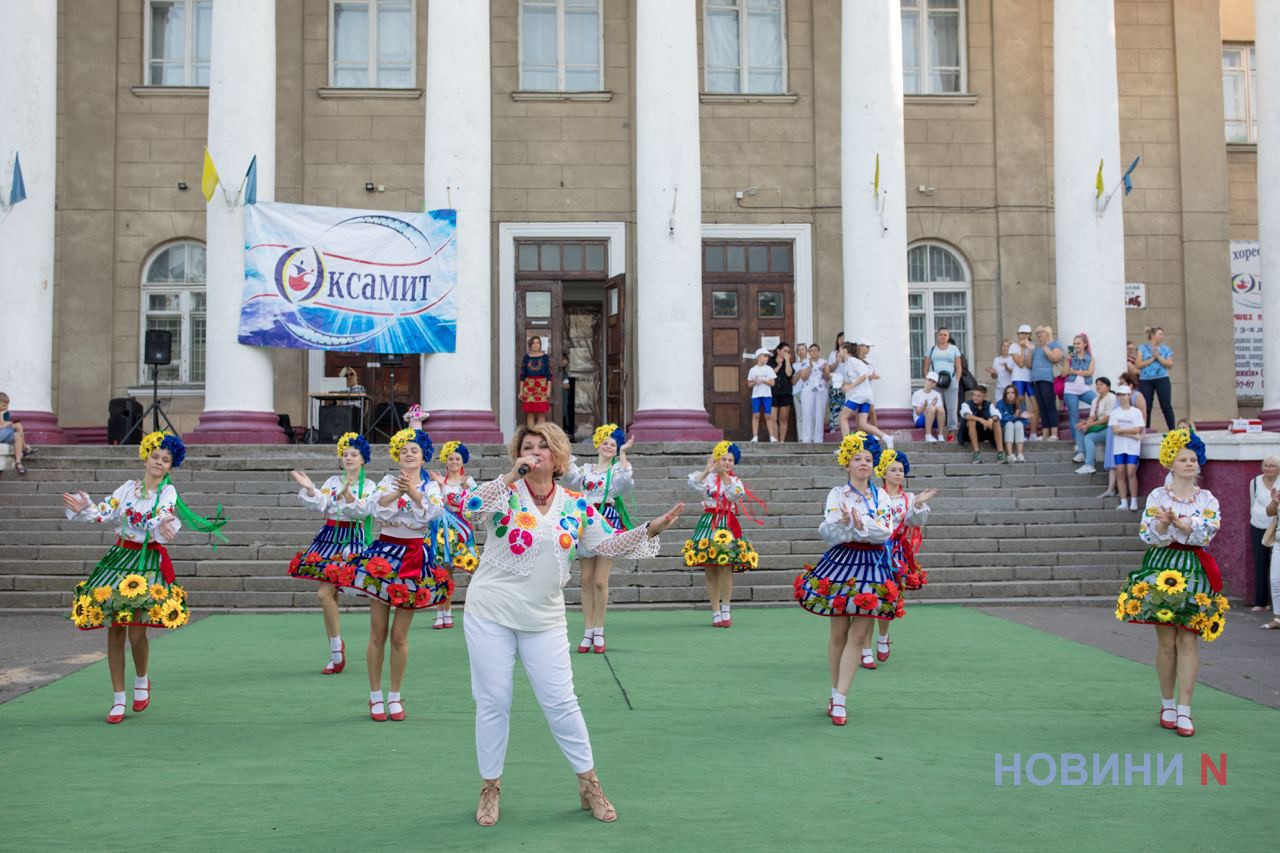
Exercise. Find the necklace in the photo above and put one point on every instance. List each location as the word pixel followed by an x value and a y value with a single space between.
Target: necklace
pixel 537 498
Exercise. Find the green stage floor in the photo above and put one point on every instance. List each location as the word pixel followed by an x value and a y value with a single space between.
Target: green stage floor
pixel 720 742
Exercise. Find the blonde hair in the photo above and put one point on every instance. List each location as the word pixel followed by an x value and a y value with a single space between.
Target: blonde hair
pixel 555 439
pixel 1046 327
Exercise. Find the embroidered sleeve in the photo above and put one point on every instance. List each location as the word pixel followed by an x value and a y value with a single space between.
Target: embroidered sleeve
pixel 917 514
pixel 877 525
pixel 833 529
pixel 108 510
pixel 324 496
pixel 698 485
pixel 487 499
pixel 734 489
pixel 358 509
pixel 162 513
pixel 1147 527
pixel 610 542
pixel 1205 524
pixel 385 485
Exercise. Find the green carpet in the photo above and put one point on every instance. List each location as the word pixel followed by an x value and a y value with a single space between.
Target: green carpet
pixel 719 743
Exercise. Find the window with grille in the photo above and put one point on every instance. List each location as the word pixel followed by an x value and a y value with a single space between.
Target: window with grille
pixel 934 60
pixel 173 299
pixel 177 34
pixel 372 44
pixel 561 44
pixel 938 296
pixel 745 46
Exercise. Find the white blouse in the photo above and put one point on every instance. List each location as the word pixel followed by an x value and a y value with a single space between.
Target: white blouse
pixel 328 499
pixel 872 507
pixel 589 481
pixel 403 519
pixel 1258 506
pixel 733 488
pixel 904 506
pixel 139 513
pixel 1201 510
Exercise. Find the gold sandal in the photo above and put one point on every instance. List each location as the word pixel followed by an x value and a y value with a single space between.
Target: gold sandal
pixel 487 811
pixel 594 800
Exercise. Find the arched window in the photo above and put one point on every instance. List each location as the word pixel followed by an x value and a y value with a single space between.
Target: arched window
pixel 173 299
pixel 938 295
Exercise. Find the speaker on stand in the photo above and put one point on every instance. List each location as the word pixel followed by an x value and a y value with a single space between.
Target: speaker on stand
pixel 157 350
pixel 337 420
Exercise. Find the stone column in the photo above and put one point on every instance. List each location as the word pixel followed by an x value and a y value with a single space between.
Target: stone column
pixel 669 347
pixel 1266 13
pixel 457 388
pixel 1088 246
pixel 28 126
pixel 239 404
pixel 874 224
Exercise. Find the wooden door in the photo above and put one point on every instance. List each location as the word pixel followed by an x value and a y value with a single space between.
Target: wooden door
pixel 539 311
pixel 615 373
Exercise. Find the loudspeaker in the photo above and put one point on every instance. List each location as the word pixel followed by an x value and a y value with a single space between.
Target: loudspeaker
pixel 335 420
pixel 158 347
pixel 122 414
pixel 391 359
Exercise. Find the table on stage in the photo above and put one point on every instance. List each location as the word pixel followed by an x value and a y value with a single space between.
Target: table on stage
pixel 338 397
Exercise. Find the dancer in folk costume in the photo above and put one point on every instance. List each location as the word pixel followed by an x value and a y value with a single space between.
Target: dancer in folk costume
pixel 853 582
pixel 396 570
pixel 348 526
pixel 907 513
pixel 603 483
pixel 451 536
pixel 717 544
pixel 133 586
pixel 1179 587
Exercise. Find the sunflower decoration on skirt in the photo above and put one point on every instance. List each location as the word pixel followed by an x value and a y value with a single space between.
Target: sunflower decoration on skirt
pixel 717 538
pixel 131 600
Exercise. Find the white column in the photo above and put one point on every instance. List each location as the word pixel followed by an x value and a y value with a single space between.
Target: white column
pixel 1266 13
pixel 28 110
pixel 669 347
pixel 1088 247
pixel 457 387
pixel 239 404
pixel 874 225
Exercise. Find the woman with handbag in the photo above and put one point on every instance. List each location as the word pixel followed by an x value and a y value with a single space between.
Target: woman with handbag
pixel 946 360
pixel 1260 523
pixel 1078 376
pixel 1044 358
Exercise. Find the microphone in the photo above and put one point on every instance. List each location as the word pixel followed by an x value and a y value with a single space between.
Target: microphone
pixel 523 469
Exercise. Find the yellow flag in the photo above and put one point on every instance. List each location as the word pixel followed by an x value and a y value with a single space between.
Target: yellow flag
pixel 1098 182
pixel 877 185
pixel 208 177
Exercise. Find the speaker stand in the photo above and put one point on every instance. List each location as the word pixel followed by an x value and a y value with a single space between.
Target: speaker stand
pixel 155 410
pixel 396 423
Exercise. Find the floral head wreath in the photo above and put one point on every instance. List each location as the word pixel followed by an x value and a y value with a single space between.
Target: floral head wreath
pixel 889 456
pixel 451 447
pixel 853 444
pixel 608 431
pixel 163 441
pixel 728 447
pixel 1173 443
pixel 406 435
pixel 354 439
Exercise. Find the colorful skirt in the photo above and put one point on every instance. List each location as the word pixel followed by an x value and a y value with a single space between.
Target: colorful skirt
pixel 328 558
pixel 717 541
pixel 400 573
pixel 130 586
pixel 1173 588
pixel 851 579
pixel 535 394
pixel 610 514
pixel 453 542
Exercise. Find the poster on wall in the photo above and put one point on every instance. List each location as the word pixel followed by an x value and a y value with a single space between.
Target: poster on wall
pixel 329 278
pixel 1246 306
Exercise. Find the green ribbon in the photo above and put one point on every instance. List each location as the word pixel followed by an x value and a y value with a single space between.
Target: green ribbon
pixel 190 518
pixel 621 507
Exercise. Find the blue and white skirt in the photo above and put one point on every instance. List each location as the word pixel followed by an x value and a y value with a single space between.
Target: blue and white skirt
pixel 401 573
pixel 851 579
pixel 336 545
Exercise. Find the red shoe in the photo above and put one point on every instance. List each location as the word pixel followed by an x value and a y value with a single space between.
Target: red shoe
pixel 332 668
pixel 380 717
pixel 725 623
pixel 1168 724
pixel 448 621
pixel 838 715
pixel 1189 729
pixel 883 655
pixel 830 704
pixel 585 646
pixel 868 662
pixel 439 623
pixel 598 648
pixel 141 704
pixel 113 717
pixel 395 715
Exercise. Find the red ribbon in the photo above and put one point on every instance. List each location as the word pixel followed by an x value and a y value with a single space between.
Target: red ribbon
pixel 725 511
pixel 166 565
pixel 411 563
pixel 341 524
pixel 862 546
pixel 1207 562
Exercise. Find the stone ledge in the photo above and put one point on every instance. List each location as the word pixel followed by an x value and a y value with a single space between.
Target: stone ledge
pixel 590 97
pixel 326 92
pixel 170 91
pixel 957 100
pixel 732 98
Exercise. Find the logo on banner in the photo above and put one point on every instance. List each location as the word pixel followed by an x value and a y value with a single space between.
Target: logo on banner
pixel 298 277
pixel 1244 283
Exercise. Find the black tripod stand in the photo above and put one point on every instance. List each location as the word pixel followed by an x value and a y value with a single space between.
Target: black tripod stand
pixel 155 409
pixel 390 361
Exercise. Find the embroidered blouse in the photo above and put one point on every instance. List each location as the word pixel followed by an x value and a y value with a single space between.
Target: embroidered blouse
pixel 138 513
pixel 454 495
pixel 1201 511
pixel 877 523
pixel 733 489
pixel 532 366
pixel 328 501
pixel 403 519
pixel 904 506
pixel 586 479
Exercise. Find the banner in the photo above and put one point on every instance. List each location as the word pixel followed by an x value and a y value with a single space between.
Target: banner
pixel 352 280
pixel 1246 307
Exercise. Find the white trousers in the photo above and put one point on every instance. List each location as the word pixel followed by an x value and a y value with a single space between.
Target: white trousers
pixel 1275 582
pixel 492 650
pixel 811 416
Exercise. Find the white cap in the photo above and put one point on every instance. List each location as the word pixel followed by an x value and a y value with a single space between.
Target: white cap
pixel 1123 389
pixel 931 375
pixel 763 351
pixel 1024 328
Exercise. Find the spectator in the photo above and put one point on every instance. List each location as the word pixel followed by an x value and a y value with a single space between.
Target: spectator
pixel 1020 351
pixel 1092 430
pixel 1260 489
pixel 1130 356
pixel 1126 428
pixel 858 376
pixel 760 379
pixel 946 360
pixel 800 363
pixel 1272 508
pixel 834 375
pixel 926 404
pixel 834 355
pixel 568 394
pixel 783 392
pixel 1013 423
pixel 1079 373
pixel 814 393
pixel 11 433
pixel 1001 369
pixel 1046 355
pixel 1154 361
pixel 1130 378
pixel 982 423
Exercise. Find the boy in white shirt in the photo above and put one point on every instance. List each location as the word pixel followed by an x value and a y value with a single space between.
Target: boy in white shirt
pixel 760 380
pixel 857 375
pixel 1126 424
pixel 1021 351
pixel 927 406
pixel 1002 367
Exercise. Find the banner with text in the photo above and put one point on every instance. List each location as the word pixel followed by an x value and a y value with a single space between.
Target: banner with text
pixel 1246 306
pixel 353 280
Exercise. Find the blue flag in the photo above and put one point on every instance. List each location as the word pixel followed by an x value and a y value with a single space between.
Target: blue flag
pixel 1128 182
pixel 251 182
pixel 18 189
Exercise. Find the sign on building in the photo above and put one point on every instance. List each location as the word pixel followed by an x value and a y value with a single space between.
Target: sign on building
pixel 1135 294
pixel 1246 306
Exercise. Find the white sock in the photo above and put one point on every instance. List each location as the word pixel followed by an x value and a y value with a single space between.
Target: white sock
pixel 599 632
pixel 588 633
pixel 375 696
pixel 335 644
pixel 834 694
pixel 1167 704
pixel 393 696
pixel 598 639
pixel 1184 710
pixel 117 698
pixel 837 698
pixel 448 612
pixel 866 653
pixel 724 611
pixel 141 683
pixel 883 640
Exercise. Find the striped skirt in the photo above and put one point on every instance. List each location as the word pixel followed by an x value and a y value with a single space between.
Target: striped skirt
pixel 714 543
pixel 128 587
pixel 851 579
pixel 328 558
pixel 400 573
pixel 610 514
pixel 1172 588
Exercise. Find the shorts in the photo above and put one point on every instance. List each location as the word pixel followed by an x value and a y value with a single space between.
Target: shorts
pixel 762 404
pixel 1119 459
pixel 862 408
pixel 919 421
pixel 985 434
pixel 6 435
pixel 783 399
pixel 1024 389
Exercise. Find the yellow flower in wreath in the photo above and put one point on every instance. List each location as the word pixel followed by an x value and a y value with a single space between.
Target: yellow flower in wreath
pixel 1132 607
pixel 102 593
pixel 722 537
pixel 691 559
pixel 172 614
pixel 93 616
pixel 1171 582
pixel 1141 589
pixel 159 591
pixel 753 559
pixel 1164 614
pixel 133 586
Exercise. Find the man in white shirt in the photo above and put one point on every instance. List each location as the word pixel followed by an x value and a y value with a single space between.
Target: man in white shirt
pixel 927 406
pixel 1093 430
pixel 1126 424
pixel 760 379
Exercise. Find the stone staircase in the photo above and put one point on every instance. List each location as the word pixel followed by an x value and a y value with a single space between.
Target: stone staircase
pixel 999 534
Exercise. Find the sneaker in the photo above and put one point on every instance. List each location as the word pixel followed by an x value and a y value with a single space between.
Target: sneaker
pixel 1124 505
pixel 1022 457
pixel 1079 457
pixel 1035 436
pixel 929 439
pixel 1052 437
pixel 1001 458
pixel 773 440
pixel 1133 503
pixel 977 457
pixel 754 439
pixel 1086 469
